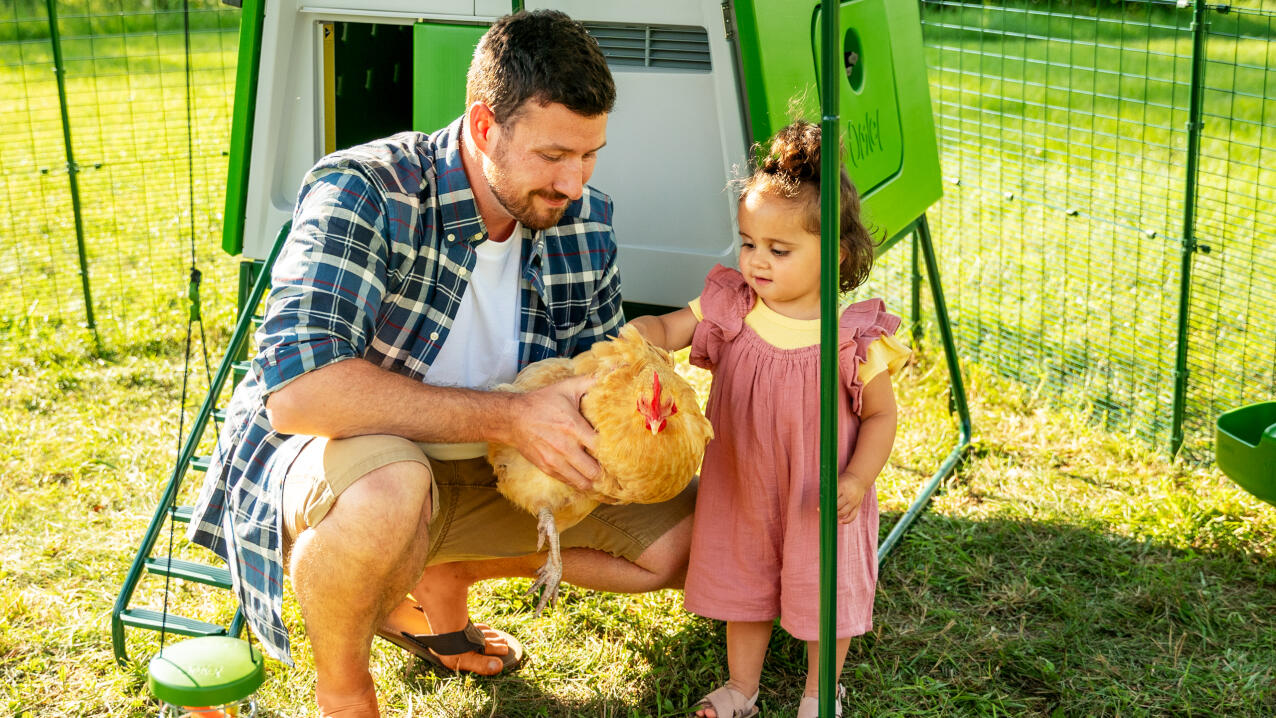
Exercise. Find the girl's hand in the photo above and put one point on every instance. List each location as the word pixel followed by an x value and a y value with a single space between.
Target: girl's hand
pixel 850 494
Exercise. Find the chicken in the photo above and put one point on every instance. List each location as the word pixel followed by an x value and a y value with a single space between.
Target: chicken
pixel 651 438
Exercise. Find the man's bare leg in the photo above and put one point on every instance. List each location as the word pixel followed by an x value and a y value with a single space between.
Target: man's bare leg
pixel 443 590
pixel 351 569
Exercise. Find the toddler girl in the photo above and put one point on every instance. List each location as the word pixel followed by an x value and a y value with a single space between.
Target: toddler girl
pixel 755 545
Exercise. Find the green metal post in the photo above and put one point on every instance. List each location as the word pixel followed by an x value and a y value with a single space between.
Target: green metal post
pixel 923 239
pixel 830 224
pixel 1188 246
pixel 252 14
pixel 915 289
pixel 72 169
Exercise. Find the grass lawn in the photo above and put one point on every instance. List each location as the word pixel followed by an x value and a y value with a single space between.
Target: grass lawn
pixel 1063 571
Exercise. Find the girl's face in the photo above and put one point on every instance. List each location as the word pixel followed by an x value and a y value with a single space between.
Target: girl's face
pixel 779 256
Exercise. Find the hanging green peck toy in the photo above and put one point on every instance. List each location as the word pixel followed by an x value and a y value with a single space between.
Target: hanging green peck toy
pixel 207 677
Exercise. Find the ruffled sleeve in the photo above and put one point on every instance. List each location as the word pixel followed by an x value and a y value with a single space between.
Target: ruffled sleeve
pixel 868 345
pixel 725 301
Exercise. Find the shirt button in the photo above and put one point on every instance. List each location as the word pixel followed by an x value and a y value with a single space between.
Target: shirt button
pixel 451 237
pixel 434 335
pixel 462 273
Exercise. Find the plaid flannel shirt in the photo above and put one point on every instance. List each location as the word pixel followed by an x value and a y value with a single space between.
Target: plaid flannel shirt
pixel 376 263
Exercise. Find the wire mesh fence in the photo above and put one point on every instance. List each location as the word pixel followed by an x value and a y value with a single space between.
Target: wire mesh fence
pixel 137 138
pixel 1109 194
pixel 1082 237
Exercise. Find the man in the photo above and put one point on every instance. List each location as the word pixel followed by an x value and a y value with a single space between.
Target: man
pixel 420 271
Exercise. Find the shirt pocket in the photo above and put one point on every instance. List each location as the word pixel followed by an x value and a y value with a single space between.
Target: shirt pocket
pixel 568 324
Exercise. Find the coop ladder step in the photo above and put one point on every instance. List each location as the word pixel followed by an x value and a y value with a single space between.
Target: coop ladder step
pixel 152 619
pixel 189 571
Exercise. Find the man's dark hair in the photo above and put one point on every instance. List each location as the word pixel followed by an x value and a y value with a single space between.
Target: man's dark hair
pixel 542 55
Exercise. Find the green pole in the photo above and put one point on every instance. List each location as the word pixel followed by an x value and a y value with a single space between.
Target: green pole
pixel 1188 245
pixel 252 13
pixel 915 286
pixel 830 185
pixel 72 169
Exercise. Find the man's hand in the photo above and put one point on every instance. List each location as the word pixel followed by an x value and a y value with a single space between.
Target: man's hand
pixel 850 494
pixel 551 433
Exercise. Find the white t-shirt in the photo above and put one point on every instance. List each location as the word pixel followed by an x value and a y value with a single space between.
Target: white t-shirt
pixel 481 350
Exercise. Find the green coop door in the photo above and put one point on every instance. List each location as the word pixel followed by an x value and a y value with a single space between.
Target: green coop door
pixel 441 55
pixel 887 128
pixel 869 105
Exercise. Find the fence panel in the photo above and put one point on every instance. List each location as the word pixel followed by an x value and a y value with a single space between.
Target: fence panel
pixel 150 152
pixel 1069 198
pixel 1232 321
pixel 1064 136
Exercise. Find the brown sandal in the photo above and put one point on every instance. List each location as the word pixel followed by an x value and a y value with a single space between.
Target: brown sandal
pixel 429 646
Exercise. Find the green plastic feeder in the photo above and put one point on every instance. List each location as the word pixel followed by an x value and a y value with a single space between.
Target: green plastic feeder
pixel 1245 448
pixel 207 677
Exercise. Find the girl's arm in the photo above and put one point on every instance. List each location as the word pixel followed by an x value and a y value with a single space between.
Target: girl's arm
pixel 872 447
pixel 670 331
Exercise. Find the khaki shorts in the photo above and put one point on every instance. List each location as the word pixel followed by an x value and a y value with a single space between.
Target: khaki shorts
pixel 470 520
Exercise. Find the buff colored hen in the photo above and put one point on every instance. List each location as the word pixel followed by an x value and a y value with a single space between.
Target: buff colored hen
pixel 651 438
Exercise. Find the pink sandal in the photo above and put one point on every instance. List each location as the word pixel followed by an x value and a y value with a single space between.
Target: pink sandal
pixel 727 702
pixel 809 707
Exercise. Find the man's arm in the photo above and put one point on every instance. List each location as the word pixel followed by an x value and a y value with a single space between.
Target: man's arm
pixel 354 397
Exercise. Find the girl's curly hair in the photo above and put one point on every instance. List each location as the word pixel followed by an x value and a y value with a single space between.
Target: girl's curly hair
pixel 790 169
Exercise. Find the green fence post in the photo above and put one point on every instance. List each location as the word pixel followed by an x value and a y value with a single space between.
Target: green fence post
pixel 72 170
pixel 915 291
pixel 252 14
pixel 830 224
pixel 1188 245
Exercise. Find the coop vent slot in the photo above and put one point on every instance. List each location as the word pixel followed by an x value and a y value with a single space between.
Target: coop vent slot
pixel 660 46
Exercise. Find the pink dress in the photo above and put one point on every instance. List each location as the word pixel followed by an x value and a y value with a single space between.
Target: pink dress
pixel 755 546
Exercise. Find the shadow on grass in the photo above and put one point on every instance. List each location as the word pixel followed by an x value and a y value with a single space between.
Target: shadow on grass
pixel 1008 617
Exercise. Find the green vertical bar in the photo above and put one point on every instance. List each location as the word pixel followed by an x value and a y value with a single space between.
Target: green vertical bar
pixel 72 169
pixel 915 290
pixel 830 185
pixel 1188 246
pixel 252 14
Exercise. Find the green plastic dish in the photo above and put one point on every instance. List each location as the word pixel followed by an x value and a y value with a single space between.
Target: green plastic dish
pixel 1245 448
pixel 206 671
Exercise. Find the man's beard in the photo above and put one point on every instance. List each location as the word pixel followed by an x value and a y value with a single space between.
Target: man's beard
pixel 522 208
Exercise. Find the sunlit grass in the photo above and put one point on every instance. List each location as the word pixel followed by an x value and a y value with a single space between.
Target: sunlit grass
pixel 1062 569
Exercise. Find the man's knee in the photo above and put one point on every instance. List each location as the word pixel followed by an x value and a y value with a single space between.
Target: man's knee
pixel 394 499
pixel 383 517
pixel 666 557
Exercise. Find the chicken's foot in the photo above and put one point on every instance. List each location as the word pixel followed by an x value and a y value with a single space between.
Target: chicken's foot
pixel 551 574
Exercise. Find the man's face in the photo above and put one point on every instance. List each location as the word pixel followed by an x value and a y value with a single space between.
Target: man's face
pixel 541 159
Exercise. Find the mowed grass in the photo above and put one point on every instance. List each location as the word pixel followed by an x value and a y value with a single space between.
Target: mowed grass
pixel 1062 571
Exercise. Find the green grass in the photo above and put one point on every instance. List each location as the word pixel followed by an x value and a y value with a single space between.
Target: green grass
pixel 1063 571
